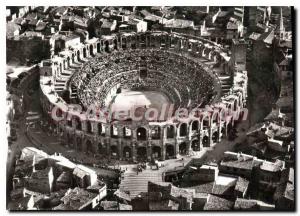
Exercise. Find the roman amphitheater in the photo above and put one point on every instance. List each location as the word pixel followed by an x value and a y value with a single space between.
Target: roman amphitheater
pixel 145 70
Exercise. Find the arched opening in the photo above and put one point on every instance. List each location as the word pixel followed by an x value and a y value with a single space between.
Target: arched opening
pixel 141 153
pixel 183 148
pixel 59 113
pixel 170 131
pixel 68 62
pixel 143 73
pixel 195 145
pixel 101 149
pixel 78 123
pixel 189 47
pixel 89 147
pixel 205 141
pixel 205 123
pixel 155 133
pixel 98 48
pixel 170 151
pixel 223 132
pixel 141 133
pixel 195 126
pixel 127 152
pixel 91 50
pixel 156 152
pixel 235 105
pixel 114 151
pixel 79 144
pixel 84 52
pixel 183 130
pixel 127 132
pixel 115 44
pixel 113 131
pixel 181 44
pixel 69 122
pixel 60 68
pixel 124 43
pixel 99 126
pixel 73 58
pixel 215 118
pixel 89 127
pixel 215 136
pixel 78 55
pixel 70 140
pixel 133 45
pixel 106 46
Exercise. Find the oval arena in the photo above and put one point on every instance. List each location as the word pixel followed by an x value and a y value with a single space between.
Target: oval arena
pixel 144 70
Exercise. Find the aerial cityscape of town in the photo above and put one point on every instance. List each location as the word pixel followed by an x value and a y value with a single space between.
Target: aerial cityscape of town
pixel 150 108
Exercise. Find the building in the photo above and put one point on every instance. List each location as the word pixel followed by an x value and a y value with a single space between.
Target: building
pixel 78 199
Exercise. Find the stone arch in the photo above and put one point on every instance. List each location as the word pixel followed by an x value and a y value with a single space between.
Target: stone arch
pixel 183 130
pixel 195 145
pixel 127 153
pixel 170 131
pixel 141 133
pixel 183 148
pixel 156 152
pixel 155 133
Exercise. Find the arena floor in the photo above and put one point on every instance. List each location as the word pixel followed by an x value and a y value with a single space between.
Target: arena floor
pixel 147 99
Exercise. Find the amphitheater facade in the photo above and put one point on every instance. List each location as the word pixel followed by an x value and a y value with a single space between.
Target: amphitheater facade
pixel 134 140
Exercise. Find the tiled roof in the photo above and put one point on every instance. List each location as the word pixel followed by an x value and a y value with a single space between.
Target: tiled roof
pixel 122 195
pixel 244 204
pixel 217 203
pixel 124 207
pixel 241 184
pixel 77 198
pixel 109 205
pixel 271 167
pixel 179 23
